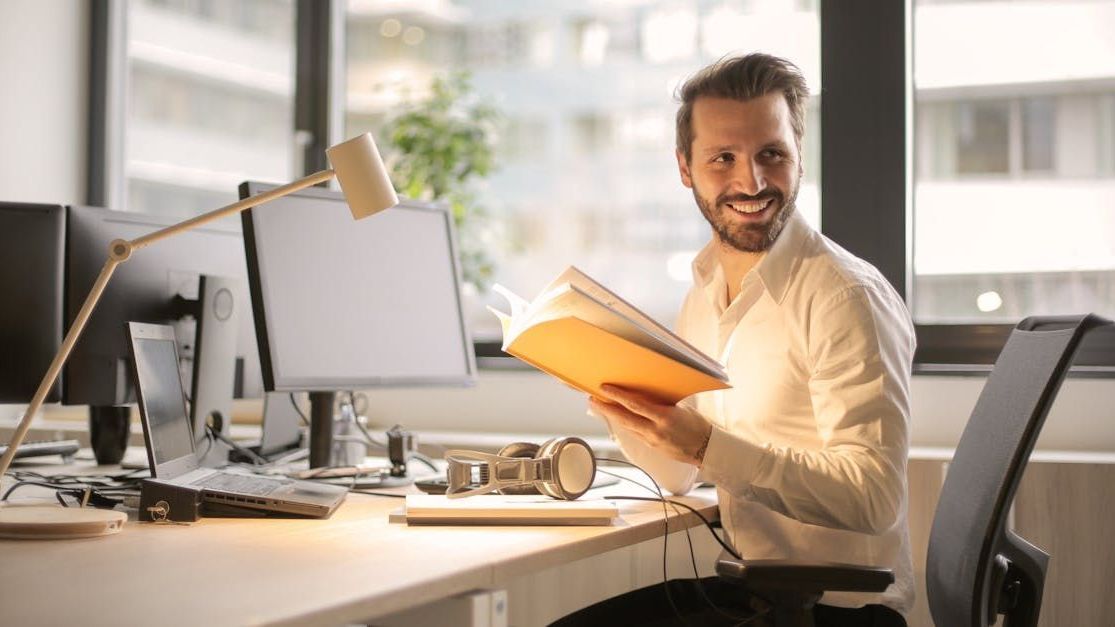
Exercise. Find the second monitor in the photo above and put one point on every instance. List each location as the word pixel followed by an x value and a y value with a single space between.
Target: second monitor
pixel 343 305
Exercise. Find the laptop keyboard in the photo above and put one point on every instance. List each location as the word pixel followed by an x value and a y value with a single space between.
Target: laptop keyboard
pixel 240 484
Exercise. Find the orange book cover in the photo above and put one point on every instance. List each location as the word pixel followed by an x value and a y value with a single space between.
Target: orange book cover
pixel 586 336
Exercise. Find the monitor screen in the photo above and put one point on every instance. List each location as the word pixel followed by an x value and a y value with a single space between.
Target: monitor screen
pixel 344 304
pixel 144 289
pixel 31 260
pixel 162 402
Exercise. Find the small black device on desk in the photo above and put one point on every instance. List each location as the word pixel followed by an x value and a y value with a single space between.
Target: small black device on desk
pixel 432 485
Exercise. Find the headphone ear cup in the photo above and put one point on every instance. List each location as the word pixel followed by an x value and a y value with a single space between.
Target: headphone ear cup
pixel 574 467
pixel 528 450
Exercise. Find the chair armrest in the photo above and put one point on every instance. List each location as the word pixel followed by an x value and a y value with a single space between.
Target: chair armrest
pixel 800 576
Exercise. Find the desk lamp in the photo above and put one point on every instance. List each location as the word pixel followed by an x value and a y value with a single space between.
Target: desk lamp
pixel 367 190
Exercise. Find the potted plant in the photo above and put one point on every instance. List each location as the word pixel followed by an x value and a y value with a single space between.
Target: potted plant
pixel 439 149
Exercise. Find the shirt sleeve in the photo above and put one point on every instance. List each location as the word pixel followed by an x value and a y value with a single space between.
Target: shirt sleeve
pixel 860 349
pixel 671 475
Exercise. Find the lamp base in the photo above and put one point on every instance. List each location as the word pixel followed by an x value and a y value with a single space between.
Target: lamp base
pixel 48 522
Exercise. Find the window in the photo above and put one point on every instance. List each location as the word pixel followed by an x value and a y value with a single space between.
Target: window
pixel 1014 196
pixel 982 137
pixel 585 169
pixel 210 95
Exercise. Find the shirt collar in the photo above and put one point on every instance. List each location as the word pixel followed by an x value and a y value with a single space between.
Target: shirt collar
pixel 775 269
pixel 781 262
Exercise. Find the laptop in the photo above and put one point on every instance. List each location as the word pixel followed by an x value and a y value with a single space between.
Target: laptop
pixel 171 451
pixel 282 426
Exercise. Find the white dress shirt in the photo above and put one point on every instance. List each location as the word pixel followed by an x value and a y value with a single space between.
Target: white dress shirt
pixel 809 445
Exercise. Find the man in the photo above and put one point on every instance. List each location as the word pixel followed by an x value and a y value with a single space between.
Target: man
pixel 808 448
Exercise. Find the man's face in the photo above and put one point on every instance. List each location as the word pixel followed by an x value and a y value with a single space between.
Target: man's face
pixel 745 168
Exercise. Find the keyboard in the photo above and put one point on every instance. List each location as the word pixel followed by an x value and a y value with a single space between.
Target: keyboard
pixel 240 484
pixel 40 448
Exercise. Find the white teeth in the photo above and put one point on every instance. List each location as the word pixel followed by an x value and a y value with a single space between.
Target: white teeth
pixel 749 207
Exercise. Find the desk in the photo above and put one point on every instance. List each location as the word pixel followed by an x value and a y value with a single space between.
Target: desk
pixel 353 567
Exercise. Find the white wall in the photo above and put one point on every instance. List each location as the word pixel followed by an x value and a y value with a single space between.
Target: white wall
pixel 44 57
pixel 43 67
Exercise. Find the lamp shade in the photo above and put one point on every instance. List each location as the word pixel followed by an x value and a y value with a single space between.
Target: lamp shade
pixel 362 175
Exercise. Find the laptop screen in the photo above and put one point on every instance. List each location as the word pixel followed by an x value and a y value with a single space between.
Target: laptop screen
pixel 161 400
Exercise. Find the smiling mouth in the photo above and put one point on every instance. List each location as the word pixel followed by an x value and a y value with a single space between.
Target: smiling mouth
pixel 749 207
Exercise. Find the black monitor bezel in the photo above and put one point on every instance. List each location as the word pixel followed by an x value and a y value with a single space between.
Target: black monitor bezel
pixel 255 288
pixel 27 370
pixel 94 387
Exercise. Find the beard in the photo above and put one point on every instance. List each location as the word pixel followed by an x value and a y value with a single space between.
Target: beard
pixel 748 237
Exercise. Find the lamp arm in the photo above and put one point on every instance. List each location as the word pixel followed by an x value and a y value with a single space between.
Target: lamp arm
pixel 119 252
pixel 234 208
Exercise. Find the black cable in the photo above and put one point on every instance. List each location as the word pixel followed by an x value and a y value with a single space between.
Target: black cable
pixel 208 443
pixel 368 436
pixel 425 460
pixel 104 479
pixel 665 536
pixel 98 497
pixel 305 420
pixel 708 524
pixel 20 484
pixel 68 483
pixel 693 560
pixel 688 537
pixel 374 493
pixel 250 454
pixel 371 440
pixel 689 540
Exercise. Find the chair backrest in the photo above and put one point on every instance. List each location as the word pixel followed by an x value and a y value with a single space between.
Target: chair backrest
pixel 976 567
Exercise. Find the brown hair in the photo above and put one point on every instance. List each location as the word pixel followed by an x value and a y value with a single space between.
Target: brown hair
pixel 742 78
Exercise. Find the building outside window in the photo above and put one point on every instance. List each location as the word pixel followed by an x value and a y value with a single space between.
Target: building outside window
pixel 210 95
pixel 586 172
pixel 1015 192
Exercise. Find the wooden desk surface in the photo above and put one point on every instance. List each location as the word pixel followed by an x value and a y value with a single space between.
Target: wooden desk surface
pixel 352 566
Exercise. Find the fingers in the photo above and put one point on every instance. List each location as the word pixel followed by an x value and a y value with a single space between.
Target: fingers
pixel 620 416
pixel 637 402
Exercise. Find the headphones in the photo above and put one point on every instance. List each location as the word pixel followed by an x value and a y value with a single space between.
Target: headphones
pixel 561 468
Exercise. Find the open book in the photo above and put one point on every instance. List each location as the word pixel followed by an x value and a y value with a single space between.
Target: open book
pixel 580 332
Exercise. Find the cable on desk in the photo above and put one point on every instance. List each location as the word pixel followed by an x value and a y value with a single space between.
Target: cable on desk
pixel 375 493
pixel 689 540
pixel 425 460
pixel 368 436
pixel 84 495
pixel 123 480
pixel 665 536
pixel 211 433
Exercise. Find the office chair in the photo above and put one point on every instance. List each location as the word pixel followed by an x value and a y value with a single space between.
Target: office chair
pixel 976 568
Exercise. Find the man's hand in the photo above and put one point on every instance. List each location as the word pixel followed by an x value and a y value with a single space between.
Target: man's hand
pixel 676 431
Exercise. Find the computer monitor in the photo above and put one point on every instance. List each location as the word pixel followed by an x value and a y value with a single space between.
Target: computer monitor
pixel 158 284
pixel 31 239
pixel 343 305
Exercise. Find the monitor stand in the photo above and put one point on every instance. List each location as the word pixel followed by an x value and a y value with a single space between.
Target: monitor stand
pixel 399 444
pixel 321 428
pixel 217 312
